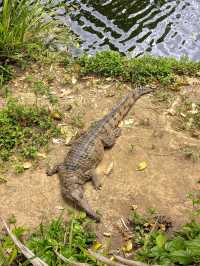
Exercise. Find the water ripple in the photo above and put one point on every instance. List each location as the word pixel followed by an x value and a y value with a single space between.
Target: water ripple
pixel 134 27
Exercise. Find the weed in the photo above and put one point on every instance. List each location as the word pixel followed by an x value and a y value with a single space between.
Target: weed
pixel 107 63
pixel 140 70
pixel 24 129
pixel 77 121
pixel 40 88
pixel 25 25
pixel 163 96
pixel 5 74
pixel 19 168
pixel 191 153
pixel 188 116
pixel 153 244
pixel 71 239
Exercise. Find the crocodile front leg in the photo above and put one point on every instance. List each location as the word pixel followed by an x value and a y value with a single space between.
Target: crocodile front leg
pixel 108 139
pixel 54 170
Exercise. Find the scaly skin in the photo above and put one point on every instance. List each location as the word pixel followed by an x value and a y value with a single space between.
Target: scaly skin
pixel 87 151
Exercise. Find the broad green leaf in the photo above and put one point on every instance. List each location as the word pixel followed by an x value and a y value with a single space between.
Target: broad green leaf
pixel 161 240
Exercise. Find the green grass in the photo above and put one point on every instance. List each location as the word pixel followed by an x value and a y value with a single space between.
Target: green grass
pixel 5 74
pixel 152 243
pixel 140 70
pixel 24 130
pixel 155 246
pixel 71 239
pixel 25 26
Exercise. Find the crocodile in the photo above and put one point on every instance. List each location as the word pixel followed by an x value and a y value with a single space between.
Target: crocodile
pixel 87 151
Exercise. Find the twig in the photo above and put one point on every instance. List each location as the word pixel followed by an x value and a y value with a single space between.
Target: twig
pixel 130 262
pixel 104 259
pixel 124 224
pixel 35 261
pixel 71 263
pixel 164 154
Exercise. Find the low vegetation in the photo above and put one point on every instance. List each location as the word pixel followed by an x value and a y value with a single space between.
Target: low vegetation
pixel 152 240
pixel 155 245
pixel 25 28
pixel 71 239
pixel 24 129
pixel 140 70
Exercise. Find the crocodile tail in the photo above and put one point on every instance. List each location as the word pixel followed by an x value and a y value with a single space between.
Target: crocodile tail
pixel 139 91
pixel 83 204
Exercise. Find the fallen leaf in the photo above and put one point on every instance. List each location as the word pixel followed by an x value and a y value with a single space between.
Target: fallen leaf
pixel 56 115
pixel 97 246
pixel 128 247
pixel 142 166
pixel 27 165
pixel 163 227
pixel 127 123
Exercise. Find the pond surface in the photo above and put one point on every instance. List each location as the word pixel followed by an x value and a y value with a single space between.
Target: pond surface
pixel 134 27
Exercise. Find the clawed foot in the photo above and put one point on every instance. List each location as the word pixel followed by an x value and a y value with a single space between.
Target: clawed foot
pixel 97 186
pixel 52 171
pixel 96 182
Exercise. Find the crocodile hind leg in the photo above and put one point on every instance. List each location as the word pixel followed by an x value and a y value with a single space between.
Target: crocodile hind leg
pixel 108 139
pixel 54 170
pixel 95 178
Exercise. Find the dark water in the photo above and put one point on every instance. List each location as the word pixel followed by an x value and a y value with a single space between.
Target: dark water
pixel 134 27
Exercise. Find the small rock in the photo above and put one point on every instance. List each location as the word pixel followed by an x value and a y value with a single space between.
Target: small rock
pixel 42 155
pixel 134 207
pixel 68 107
pixel 74 80
pixel 195 134
pixel 56 141
pixel 106 234
pixel 60 208
pixel 27 165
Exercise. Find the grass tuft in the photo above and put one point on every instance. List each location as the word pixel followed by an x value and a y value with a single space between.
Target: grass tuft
pixel 24 129
pixel 140 70
pixel 71 239
pixel 154 245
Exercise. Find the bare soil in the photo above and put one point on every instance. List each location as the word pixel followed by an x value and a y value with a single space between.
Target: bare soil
pixel 147 135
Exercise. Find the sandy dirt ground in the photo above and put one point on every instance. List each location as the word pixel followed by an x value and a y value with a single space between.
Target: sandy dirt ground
pixel 148 134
